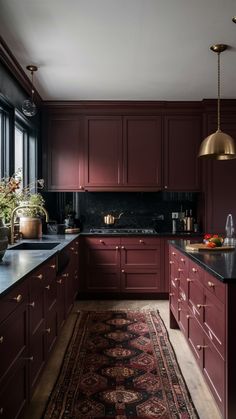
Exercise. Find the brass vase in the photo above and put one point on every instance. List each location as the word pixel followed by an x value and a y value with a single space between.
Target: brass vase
pixel 31 227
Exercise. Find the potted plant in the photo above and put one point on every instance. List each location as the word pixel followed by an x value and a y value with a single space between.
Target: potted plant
pixel 30 210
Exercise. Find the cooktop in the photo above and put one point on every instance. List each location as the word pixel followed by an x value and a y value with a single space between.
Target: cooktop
pixel 123 231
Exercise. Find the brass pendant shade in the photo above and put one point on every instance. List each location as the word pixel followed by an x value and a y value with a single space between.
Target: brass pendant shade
pixel 219 145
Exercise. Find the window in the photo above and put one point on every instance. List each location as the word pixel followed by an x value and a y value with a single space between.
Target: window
pixel 25 150
pixel 6 122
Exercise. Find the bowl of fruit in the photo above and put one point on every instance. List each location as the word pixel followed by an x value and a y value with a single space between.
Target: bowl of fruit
pixel 213 240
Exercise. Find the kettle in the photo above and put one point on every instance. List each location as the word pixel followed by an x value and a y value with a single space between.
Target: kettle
pixel 110 219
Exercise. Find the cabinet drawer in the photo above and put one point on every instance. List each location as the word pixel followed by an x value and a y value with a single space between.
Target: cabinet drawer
pixel 195 272
pixel 195 298
pixel 215 286
pixel 195 338
pixel 214 321
pixel 141 241
pixel 13 338
pixel 13 299
pixel 102 241
pixel 146 257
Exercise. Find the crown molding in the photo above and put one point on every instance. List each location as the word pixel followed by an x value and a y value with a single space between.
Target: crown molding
pixel 10 61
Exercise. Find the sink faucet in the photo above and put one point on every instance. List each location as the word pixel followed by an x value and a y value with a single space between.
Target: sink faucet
pixel 40 207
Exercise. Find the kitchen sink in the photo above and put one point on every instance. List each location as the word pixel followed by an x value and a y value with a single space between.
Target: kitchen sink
pixel 34 246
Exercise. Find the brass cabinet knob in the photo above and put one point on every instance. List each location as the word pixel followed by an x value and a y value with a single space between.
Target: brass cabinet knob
pixel 123 271
pixel 18 298
pixel 180 270
pixel 76 242
pixel 101 241
pixel 182 260
pixel 165 187
pixel 65 275
pixel 32 304
pixel 210 284
pixel 40 276
pixel 179 309
pixel 1 339
pixel 141 241
pixel 72 248
pixel 76 253
pixel 30 358
pixel 194 270
pixel 81 187
pixel 189 280
pixel 171 262
pixel 173 253
pixel 122 247
pixel 176 279
pixel 48 330
pixel 59 281
pixel 117 247
pixel 199 305
pixel 188 316
pixel 199 347
pixel 47 287
pixel 53 266
pixel 171 294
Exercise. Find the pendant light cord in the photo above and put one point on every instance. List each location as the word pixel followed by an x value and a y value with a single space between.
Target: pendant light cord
pixel 218 98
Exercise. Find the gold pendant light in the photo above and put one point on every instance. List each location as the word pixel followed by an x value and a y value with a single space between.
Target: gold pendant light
pixel 218 146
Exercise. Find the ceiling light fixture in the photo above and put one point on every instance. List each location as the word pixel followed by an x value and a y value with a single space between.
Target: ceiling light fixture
pixel 28 107
pixel 218 146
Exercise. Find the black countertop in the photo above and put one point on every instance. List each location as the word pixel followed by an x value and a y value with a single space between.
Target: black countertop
pixel 16 264
pixel 88 232
pixel 221 264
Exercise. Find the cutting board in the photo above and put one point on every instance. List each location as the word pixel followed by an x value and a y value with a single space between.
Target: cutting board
pixel 201 246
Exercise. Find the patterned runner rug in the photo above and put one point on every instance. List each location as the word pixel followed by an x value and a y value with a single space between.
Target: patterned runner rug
pixel 120 364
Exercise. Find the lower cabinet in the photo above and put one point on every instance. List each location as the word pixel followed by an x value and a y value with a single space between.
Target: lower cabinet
pixel 31 315
pixel 123 265
pixel 198 307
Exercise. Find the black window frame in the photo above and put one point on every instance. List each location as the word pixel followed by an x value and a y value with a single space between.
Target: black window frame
pixel 7 137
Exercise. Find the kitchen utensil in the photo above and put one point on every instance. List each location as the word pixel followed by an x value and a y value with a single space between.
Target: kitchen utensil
pixel 110 219
pixel 229 231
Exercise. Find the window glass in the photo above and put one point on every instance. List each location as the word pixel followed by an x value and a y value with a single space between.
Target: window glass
pixel 19 153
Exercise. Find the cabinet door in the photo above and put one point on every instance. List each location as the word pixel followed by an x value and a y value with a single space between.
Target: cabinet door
pixel 142 152
pixel 102 265
pixel 182 138
pixel 103 152
pixel 140 265
pixel 63 154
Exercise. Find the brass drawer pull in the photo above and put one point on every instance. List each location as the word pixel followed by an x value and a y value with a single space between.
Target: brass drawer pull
pixel 102 241
pixel 201 305
pixel 176 279
pixel 199 347
pixel 180 270
pixel 48 330
pixel 18 298
pixel 59 281
pixel 76 253
pixel 65 275
pixel 141 241
pixel 117 247
pixel 30 358
pixel 179 309
pixel 76 242
pixel 72 248
pixel 123 271
pixel 40 276
pixel 122 247
pixel 188 316
pixel 189 280
pixel 171 294
pixel 32 304
pixel 47 287
pixel 182 260
pixel 211 284
pixel 194 270
pixel 173 253
pixel 53 266
pixel 171 262
pixel 1 339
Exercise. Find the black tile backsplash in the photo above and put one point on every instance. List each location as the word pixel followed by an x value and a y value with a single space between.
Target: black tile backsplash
pixel 140 209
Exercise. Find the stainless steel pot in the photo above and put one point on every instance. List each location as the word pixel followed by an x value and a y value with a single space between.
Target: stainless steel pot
pixel 110 219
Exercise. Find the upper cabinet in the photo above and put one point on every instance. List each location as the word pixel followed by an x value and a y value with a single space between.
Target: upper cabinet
pixel 142 148
pixel 122 154
pixel 120 147
pixel 103 152
pixel 182 137
pixel 63 153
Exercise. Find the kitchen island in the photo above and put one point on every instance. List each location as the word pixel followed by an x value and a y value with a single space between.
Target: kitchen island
pixel 202 305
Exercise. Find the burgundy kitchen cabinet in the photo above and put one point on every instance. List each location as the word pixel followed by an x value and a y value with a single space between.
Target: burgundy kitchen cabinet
pixel 63 153
pixel 182 138
pixel 217 182
pixel 102 264
pixel 141 270
pixel 14 355
pixel 142 152
pixel 42 318
pixel 103 152
pixel 123 265
pixel 200 312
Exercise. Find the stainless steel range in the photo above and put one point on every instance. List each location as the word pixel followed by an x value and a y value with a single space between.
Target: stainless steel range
pixel 122 231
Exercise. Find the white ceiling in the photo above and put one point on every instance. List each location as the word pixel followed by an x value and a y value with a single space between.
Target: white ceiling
pixel 123 49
